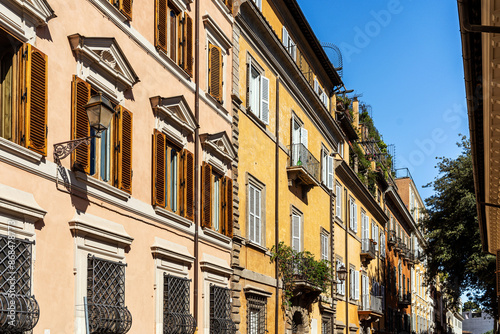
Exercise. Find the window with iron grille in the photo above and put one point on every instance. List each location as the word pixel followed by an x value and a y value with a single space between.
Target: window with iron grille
pixel 15 286
pixel 107 312
pixel 220 311
pixel 176 301
pixel 326 325
pixel 257 314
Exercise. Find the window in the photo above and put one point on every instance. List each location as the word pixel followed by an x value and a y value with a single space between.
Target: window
pixel 23 94
pixel 256 314
pixel 375 235
pixel 106 296
pixel 323 97
pixel 124 6
pixel 327 169
pixel 15 285
pixel 176 300
pixel 254 214
pixel 257 91
pixel 353 215
pixel 365 292
pixel 354 286
pixel 173 177
pixel 365 239
pixel 325 245
pixel 340 284
pixel 382 243
pixel 299 142
pixel 258 3
pixel 326 325
pixel 338 201
pixel 220 310
pixel 174 34
pixel 217 201
pixel 296 232
pixel 289 44
pixel 108 158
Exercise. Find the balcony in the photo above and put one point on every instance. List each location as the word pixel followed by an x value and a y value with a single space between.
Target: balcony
pixel 303 167
pixel 346 122
pixel 392 238
pixel 367 250
pixel 371 308
pixel 404 299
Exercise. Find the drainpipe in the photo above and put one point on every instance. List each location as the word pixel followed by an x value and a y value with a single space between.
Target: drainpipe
pixel 276 205
pixel 468 27
pixel 347 291
pixel 196 159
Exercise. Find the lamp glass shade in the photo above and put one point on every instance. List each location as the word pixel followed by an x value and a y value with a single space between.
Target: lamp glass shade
pixel 342 273
pixel 100 112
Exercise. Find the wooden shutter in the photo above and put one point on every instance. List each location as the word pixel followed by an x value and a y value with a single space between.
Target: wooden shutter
pixel 188 45
pixel 159 151
pixel 189 185
pixel 215 72
pixel 330 172
pixel 206 195
pixel 124 157
pixel 80 95
pixel 35 99
pixel 296 232
pixel 229 206
pixel 125 7
pixel 161 19
pixel 229 5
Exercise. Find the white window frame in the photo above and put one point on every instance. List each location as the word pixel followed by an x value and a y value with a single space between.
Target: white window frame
pixel 289 44
pixel 353 215
pixel 354 286
pixel 324 245
pixel 338 200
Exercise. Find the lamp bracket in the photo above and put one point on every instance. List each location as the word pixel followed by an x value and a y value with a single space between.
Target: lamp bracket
pixel 62 150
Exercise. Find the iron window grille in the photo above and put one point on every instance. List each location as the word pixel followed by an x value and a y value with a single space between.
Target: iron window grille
pixel 107 312
pixel 176 316
pixel 19 310
pixel 326 325
pixel 220 311
pixel 257 314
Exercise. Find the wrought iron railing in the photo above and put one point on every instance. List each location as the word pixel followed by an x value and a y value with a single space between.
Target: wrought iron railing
pixel 306 269
pixel 392 238
pixel 300 156
pixel 405 298
pixel 220 311
pixel 176 301
pixel 107 312
pixel 19 310
pixel 371 303
pixel 368 246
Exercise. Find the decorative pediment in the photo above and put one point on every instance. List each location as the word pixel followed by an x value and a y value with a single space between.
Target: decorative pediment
pixel 174 110
pixel 104 53
pixel 220 144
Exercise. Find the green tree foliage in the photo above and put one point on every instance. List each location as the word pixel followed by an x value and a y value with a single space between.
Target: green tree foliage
pixel 454 251
pixel 470 306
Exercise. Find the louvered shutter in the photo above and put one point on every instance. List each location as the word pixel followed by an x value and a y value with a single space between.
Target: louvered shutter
pixel 159 151
pixel 356 284
pixel 215 72
pixel 330 172
pixel 188 53
pixel 324 163
pixel 284 38
pixel 264 100
pixel 125 7
pixel 229 4
pixel 35 104
pixel 351 214
pixel 249 87
pixel 296 232
pixel 80 95
pixel 376 238
pixel 124 157
pixel 189 185
pixel 338 201
pixel 251 213
pixel 206 195
pixel 161 17
pixel 355 217
pixel 229 206
pixel 316 86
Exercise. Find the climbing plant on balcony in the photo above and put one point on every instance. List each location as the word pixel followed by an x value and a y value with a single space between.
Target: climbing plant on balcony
pixel 294 266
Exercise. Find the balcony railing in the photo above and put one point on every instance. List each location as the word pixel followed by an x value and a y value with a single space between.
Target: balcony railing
pixel 392 238
pixel 367 249
pixel 371 303
pixel 302 165
pixel 404 299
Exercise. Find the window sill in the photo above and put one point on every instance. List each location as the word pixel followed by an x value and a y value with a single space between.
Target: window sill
pixel 102 186
pixel 216 104
pixel 257 246
pixel 216 235
pixel 20 151
pixel 172 216
pixel 259 122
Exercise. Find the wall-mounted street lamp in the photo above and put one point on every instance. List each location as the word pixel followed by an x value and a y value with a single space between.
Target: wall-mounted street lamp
pixel 100 113
pixel 342 273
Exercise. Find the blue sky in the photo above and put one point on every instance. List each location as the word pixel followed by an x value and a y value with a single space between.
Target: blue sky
pixel 405 57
